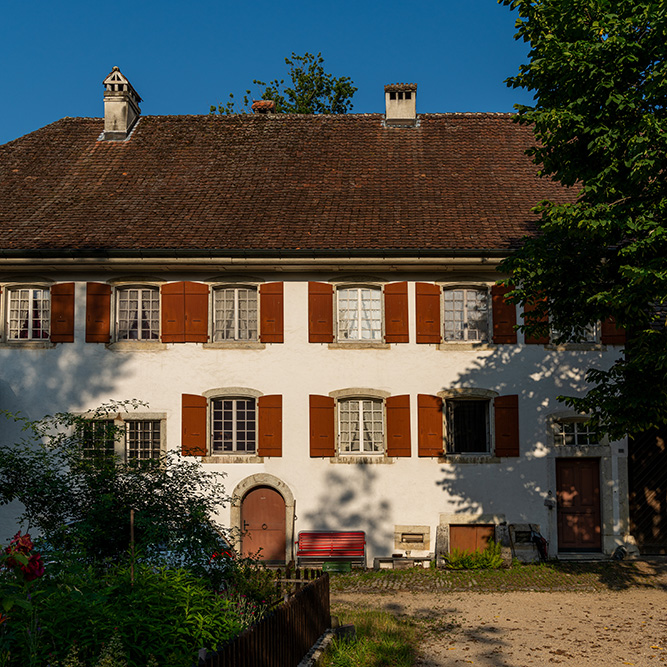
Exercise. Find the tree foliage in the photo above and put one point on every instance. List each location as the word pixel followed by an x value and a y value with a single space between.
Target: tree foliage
pixel 598 72
pixel 311 91
pixel 79 497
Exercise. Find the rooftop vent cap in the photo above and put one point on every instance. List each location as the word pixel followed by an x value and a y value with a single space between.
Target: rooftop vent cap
pixel 401 104
pixel 263 106
pixel 121 106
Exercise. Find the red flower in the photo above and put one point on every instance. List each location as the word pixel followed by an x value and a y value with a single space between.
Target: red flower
pixel 22 545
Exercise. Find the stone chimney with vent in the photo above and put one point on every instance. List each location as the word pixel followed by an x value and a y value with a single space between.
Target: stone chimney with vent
pixel 121 107
pixel 401 104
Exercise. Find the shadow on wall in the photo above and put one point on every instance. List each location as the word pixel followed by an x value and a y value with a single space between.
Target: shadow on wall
pixel 37 382
pixel 537 376
pixel 348 502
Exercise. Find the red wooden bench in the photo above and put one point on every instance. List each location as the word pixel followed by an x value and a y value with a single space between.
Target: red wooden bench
pixel 340 545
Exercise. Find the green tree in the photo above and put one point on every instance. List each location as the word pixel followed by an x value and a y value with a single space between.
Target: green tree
pixel 311 91
pixel 598 73
pixel 79 495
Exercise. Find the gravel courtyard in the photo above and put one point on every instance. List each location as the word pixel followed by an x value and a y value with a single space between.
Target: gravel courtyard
pixel 603 615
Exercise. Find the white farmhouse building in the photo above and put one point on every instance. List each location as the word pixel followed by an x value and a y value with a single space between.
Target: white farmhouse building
pixel 309 304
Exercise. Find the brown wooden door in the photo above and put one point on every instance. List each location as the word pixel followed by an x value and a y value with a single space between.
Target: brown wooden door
pixel 578 492
pixel 263 524
pixel 470 537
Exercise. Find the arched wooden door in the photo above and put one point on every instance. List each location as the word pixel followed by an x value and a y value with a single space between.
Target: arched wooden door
pixel 263 524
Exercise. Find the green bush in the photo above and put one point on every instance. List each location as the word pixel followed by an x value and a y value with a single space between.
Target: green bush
pixel 164 616
pixel 488 559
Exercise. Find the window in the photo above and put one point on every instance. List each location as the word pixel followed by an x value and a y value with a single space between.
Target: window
pixel 360 426
pixel 467 426
pixel 233 425
pixel 575 432
pixel 235 314
pixel 98 438
pixel 29 314
pixel 590 334
pixel 359 313
pixel 138 313
pixel 143 440
pixel 466 315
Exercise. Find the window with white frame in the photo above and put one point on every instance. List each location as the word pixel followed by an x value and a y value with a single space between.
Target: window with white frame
pixel 28 313
pixel 467 423
pixel 466 314
pixel 138 313
pixel 360 426
pixel 359 313
pixel 143 439
pixel 235 314
pixel 589 334
pixel 233 425
pixel 575 432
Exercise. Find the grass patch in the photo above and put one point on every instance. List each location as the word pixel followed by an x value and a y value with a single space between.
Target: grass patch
pixel 383 640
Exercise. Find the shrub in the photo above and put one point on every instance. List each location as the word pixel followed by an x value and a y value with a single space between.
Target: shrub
pixel 489 558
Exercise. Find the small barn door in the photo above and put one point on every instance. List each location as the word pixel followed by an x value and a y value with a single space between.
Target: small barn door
pixel 263 524
pixel 578 492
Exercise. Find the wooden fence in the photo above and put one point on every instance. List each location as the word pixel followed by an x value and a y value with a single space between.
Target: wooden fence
pixel 285 635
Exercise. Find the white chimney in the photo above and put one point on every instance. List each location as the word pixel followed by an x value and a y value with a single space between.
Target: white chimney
pixel 401 104
pixel 121 106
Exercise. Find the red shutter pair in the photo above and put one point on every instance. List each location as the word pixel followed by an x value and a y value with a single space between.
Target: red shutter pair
pixel 321 313
pixel 184 307
pixel 269 425
pixel 430 422
pixel 323 426
pixel 429 327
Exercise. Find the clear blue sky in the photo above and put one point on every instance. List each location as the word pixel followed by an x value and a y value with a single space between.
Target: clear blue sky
pixel 182 56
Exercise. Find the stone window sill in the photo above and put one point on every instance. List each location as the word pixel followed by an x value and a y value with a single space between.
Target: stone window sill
pixel 234 345
pixel 28 344
pixel 232 458
pixel 576 347
pixel 366 460
pixel 358 345
pixel 136 346
pixel 452 346
pixel 468 458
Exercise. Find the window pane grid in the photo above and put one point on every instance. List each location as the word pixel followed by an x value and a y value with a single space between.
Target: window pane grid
pixel 97 438
pixel 466 315
pixel 361 426
pixel 138 313
pixel 575 433
pixel 359 313
pixel 235 314
pixel 29 314
pixel 233 425
pixel 142 439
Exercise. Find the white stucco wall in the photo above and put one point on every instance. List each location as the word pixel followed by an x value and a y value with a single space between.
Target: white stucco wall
pixel 374 498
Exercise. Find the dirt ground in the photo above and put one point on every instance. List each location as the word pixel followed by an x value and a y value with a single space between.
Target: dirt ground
pixel 522 628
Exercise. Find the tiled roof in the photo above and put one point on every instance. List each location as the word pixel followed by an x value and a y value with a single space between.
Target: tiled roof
pixel 272 182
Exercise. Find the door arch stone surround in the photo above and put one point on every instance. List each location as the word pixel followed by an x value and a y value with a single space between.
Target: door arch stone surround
pixel 248 484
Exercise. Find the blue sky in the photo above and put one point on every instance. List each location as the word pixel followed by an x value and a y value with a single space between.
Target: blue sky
pixel 184 56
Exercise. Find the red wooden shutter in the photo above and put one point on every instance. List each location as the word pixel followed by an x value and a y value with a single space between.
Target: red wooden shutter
pixel 62 313
pixel 534 340
pixel 193 421
pixel 98 313
pixel 173 312
pixel 610 334
pixel 195 311
pixel 506 420
pixel 396 313
pixel 320 313
pixel 322 429
pixel 428 313
pixel 398 425
pixel 270 426
pixel 271 313
pixel 504 316
pixel 429 425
